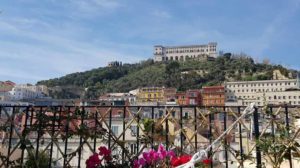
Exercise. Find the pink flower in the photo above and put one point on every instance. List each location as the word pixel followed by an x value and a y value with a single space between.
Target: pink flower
pixel 147 157
pixel 171 154
pixel 163 155
pixel 142 162
pixel 153 155
pixel 104 151
pixel 93 161
pixel 161 148
pixel 136 164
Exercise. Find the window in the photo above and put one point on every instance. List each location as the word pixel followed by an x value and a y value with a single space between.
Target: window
pixel 186 115
pixel 133 129
pixel 133 148
pixel 173 113
pixel 192 101
pixel 161 113
pixel 115 129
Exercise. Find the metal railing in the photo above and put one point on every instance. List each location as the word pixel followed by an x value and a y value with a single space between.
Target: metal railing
pixel 65 136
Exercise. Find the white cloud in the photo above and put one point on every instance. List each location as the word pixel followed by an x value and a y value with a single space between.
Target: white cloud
pixel 32 54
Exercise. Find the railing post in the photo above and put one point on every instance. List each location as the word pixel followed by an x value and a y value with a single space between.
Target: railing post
pixel 210 139
pixel 110 132
pixel 124 127
pixel 196 128
pixel 10 135
pixel 241 140
pixel 287 124
pixel 225 140
pixel 52 134
pixel 138 132
pixel 67 134
pixel 256 131
pixel 80 141
pixel 24 133
pixel 167 130
pixel 39 118
pixel 181 134
pixel 152 127
pixel 96 128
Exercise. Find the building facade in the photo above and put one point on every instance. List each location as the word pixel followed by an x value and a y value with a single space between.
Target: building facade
pixel 182 53
pixel 181 98
pixel 170 94
pixel 118 99
pixel 193 97
pixel 150 94
pixel 6 86
pixel 263 92
pixel 27 91
pixel 213 96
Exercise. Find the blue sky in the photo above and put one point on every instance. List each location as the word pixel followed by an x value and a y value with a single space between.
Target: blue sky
pixel 42 39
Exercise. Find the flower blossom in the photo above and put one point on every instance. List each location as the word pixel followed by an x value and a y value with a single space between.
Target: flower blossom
pixel 93 161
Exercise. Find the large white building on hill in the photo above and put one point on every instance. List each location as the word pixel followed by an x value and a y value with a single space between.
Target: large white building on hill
pixel 182 53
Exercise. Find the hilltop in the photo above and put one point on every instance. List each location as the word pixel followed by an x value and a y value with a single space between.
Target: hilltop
pixel 190 74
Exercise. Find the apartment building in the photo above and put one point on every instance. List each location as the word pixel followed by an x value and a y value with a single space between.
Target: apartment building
pixel 118 99
pixel 27 91
pixel 6 86
pixel 170 94
pixel 213 96
pixel 150 94
pixel 181 98
pixel 260 92
pixel 182 53
pixel 193 97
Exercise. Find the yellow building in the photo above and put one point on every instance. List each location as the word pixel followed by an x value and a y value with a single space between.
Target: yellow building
pixel 151 94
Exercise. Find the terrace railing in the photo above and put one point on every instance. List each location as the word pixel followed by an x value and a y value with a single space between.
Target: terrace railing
pixel 65 136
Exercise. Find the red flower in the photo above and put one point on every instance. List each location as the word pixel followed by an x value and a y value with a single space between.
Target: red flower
pixel 93 161
pixel 206 161
pixel 104 151
pixel 181 160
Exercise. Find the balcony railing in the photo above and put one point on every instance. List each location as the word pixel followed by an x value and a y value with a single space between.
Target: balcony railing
pixel 68 135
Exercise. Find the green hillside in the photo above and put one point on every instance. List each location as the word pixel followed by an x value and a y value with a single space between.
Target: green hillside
pixel 182 75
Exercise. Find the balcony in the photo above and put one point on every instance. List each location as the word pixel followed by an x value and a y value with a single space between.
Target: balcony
pixel 68 135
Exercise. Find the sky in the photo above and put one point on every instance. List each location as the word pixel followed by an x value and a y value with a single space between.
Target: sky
pixel 43 39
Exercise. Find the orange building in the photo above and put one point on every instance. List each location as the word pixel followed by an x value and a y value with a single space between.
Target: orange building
pixel 170 94
pixel 181 98
pixel 213 96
